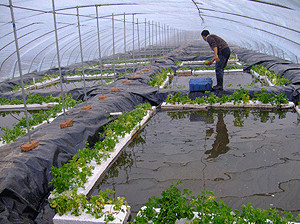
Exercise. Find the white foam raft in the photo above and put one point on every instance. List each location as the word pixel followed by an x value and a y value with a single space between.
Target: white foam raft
pixel 84 218
pixel 88 77
pixel 97 172
pixel 229 105
pixel 199 72
pixel 202 62
pixel 262 78
pixel 166 82
pixel 20 107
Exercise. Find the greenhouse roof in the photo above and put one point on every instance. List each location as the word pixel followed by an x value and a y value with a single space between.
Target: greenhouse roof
pixel 270 26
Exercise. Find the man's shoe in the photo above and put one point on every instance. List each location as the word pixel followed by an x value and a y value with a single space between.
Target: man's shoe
pixel 217 88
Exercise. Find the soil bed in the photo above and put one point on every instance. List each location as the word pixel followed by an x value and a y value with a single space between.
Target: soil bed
pixel 242 156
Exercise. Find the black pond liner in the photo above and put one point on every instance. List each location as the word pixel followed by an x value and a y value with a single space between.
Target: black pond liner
pixel 25 177
pixel 242 156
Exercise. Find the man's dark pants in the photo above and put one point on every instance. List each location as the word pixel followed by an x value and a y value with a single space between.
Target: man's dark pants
pixel 223 56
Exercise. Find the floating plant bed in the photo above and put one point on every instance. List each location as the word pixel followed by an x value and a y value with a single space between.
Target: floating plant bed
pixel 262 78
pixel 119 217
pixel 162 78
pixel 166 82
pixel 127 64
pixel 199 72
pixel 43 84
pixel 37 119
pixel 88 77
pixel 183 72
pixel 228 105
pixel 97 171
pixel 268 77
pixel 202 62
pixel 20 107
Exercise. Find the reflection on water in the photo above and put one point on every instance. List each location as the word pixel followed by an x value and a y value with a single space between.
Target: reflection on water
pixel 242 156
pixel 221 140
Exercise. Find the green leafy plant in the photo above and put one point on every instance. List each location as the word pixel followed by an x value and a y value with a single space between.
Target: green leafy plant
pixel 175 205
pixel 160 77
pixel 172 206
pixel 276 79
pixel 238 97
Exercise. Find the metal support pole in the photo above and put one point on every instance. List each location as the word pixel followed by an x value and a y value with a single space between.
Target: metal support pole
pixel 165 39
pixel 81 54
pixel 159 38
pixel 99 48
pixel 145 40
pixel 20 68
pixel 156 39
pixel 113 40
pixel 150 40
pixel 133 41
pixel 297 60
pixel 125 43
pixel 58 60
pixel 138 33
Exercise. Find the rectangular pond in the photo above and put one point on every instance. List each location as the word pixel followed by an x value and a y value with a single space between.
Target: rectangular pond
pixel 231 80
pixel 242 156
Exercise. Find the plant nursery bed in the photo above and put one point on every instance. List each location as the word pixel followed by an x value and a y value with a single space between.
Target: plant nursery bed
pixel 242 156
pixel 199 72
pixel 127 64
pixel 263 79
pixel 43 84
pixel 88 77
pixel 202 62
pixel 228 105
pixel 119 217
pixel 166 82
pixel 20 107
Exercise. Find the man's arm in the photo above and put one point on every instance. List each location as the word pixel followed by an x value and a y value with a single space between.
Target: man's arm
pixel 216 55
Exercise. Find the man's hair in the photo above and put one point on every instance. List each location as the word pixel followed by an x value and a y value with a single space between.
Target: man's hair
pixel 205 33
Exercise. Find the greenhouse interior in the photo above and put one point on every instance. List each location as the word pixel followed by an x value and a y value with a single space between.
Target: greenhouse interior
pixel 89 88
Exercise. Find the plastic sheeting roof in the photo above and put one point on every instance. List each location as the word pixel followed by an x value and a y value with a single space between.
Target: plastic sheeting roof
pixel 269 26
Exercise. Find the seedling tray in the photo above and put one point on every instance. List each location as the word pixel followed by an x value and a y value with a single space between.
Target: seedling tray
pixel 119 217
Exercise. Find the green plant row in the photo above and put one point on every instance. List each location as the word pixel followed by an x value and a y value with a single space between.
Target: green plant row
pixel 88 73
pixel 160 77
pixel 175 205
pixel 228 67
pixel 45 78
pixel 237 97
pixel 31 99
pixel 276 79
pixel 19 129
pixel 74 174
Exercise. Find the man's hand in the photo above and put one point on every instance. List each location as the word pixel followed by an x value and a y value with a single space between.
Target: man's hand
pixel 217 59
